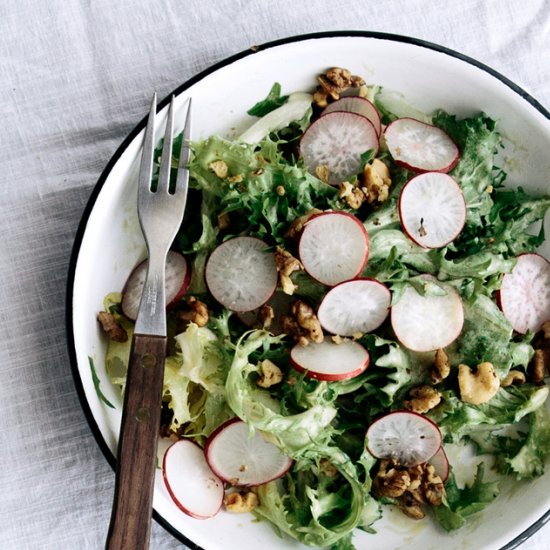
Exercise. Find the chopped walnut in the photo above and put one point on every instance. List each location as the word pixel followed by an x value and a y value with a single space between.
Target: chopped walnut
pixel 322 172
pixel 197 312
pixel 220 168
pixel 513 378
pixel 422 399
pixel 352 194
pixel 537 367
pixel 328 468
pixel 546 330
pixel 302 324
pixel 223 220
pixel 110 326
pixel 286 265
pixel 413 487
pixel 442 366
pixel 376 181
pixel 298 224
pixel 266 316
pixel 333 83
pixel 270 374
pixel 241 501
pixel 432 486
pixel 480 386
pixel 410 506
pixel 391 480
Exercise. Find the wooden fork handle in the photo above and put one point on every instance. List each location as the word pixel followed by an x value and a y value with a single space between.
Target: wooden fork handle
pixel 130 526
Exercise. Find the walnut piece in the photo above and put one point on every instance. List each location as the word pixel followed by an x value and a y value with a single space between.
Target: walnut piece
pixel 220 168
pixel 352 195
pixel 513 378
pixel 432 486
pixel 322 172
pixel 391 480
pixel 442 366
pixel 538 367
pixel 302 324
pixel 110 326
pixel 197 312
pixel 422 399
pixel 480 386
pixel 266 316
pixel 410 506
pixel 270 374
pixel 240 502
pixel 376 181
pixel 286 264
pixel 333 83
pixel 298 224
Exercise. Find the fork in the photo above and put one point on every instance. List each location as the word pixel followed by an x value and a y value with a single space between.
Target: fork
pixel 160 213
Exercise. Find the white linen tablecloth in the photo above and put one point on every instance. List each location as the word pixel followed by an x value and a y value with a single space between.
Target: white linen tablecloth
pixel 75 78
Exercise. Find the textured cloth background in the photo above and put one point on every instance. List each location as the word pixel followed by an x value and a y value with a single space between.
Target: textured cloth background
pixel 75 78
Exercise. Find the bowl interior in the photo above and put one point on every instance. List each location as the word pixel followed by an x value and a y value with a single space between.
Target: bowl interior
pixel 112 244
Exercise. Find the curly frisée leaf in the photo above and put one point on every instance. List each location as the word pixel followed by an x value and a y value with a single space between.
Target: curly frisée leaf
pixel 292 433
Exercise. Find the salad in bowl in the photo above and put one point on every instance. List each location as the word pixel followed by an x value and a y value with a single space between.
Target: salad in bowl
pixel 359 321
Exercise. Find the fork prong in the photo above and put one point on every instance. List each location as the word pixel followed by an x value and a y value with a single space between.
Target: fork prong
pixel 166 160
pixel 182 180
pixel 146 168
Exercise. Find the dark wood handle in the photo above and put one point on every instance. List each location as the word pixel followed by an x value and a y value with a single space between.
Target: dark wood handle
pixel 130 526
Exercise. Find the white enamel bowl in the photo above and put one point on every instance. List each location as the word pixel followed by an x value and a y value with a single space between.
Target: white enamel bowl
pixel 109 244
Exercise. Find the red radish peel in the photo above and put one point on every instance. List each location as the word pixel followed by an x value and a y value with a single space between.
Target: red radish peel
pixel 244 458
pixel 334 247
pixel 432 209
pixel 421 147
pixel 353 307
pixel 430 321
pixel 241 274
pixel 405 436
pixel 525 293
pixel 330 361
pixel 194 488
pixel 337 140
pixel 177 278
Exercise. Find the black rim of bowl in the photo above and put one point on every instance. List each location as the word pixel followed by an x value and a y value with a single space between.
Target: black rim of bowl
pixel 522 537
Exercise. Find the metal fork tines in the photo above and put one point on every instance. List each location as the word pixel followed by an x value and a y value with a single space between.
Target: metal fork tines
pixel 160 213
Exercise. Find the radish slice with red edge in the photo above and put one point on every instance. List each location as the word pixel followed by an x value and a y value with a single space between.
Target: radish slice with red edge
pixel 177 278
pixel 440 462
pixel 405 436
pixel 353 307
pixel 430 321
pixel 243 458
pixel 524 295
pixel 358 105
pixel 333 247
pixel 194 488
pixel 432 209
pixel 330 361
pixel 241 274
pixel 337 140
pixel 421 147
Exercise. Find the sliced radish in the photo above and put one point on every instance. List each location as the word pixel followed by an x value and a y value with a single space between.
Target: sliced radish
pixel 354 306
pixel 330 361
pixel 334 247
pixel 280 304
pixel 421 147
pixel 358 105
pixel 405 436
pixel 177 278
pixel 525 293
pixel 337 140
pixel 441 464
pixel 430 321
pixel 432 209
pixel 241 274
pixel 193 486
pixel 242 458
